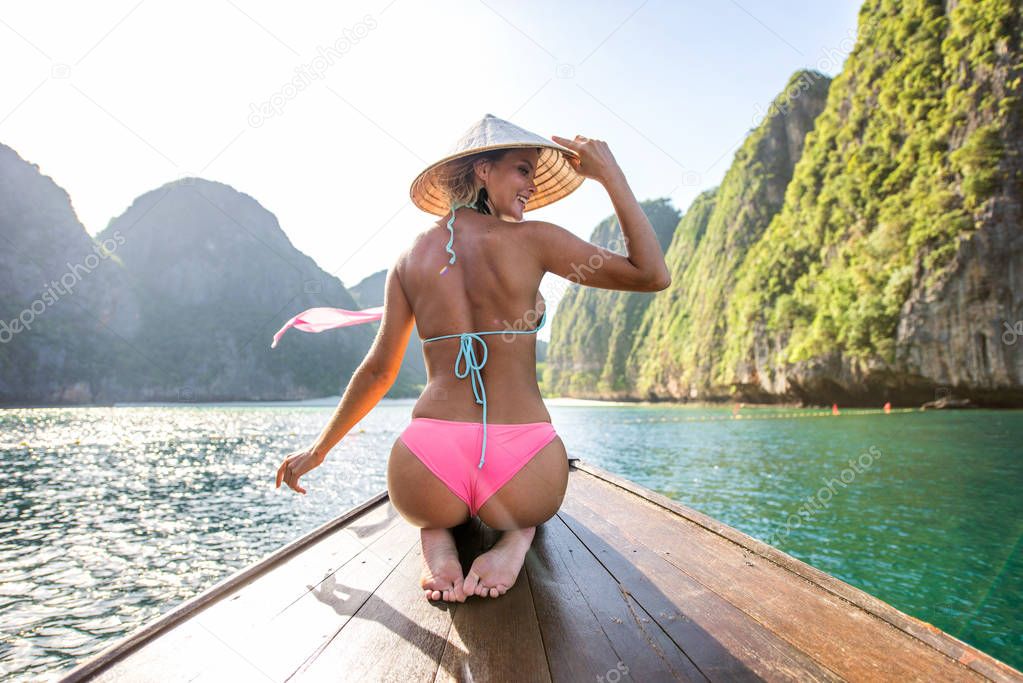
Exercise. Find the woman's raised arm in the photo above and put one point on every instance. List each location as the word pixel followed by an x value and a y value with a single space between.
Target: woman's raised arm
pixel 562 253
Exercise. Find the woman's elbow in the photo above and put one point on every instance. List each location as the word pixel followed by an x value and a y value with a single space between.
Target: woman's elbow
pixel 660 283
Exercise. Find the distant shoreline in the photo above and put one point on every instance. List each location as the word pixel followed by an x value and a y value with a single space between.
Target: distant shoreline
pixel 332 401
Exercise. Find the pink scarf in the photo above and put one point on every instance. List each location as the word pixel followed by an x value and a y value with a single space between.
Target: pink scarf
pixel 320 319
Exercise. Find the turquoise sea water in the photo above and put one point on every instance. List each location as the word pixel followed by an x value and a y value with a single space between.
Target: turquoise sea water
pixel 110 517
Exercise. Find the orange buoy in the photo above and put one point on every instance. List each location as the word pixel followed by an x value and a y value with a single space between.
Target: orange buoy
pixel 834 409
pixel 887 407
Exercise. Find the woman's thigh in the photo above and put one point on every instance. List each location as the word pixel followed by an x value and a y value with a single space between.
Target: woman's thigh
pixel 533 495
pixel 418 495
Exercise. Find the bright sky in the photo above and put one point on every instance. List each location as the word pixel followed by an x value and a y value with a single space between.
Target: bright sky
pixel 115 99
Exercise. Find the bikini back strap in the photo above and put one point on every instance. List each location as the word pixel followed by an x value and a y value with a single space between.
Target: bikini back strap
pixel 467 364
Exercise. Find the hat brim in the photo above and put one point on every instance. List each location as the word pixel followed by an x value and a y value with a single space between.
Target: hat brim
pixel 555 177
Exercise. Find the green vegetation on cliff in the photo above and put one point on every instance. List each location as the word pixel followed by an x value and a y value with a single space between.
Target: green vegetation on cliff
pixel 594 333
pixel 895 174
pixel 860 244
pixel 683 331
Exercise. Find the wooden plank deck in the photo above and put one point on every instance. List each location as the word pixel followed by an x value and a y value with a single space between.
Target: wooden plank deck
pixel 622 584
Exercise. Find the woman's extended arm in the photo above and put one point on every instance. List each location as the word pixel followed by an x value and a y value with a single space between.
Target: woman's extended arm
pixel 377 372
pixel 364 391
pixel 374 377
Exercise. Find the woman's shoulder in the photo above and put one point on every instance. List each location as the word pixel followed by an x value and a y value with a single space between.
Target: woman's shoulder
pixel 542 233
pixel 422 244
pixel 426 234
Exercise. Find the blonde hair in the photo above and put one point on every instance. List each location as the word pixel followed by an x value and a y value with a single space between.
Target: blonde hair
pixel 461 185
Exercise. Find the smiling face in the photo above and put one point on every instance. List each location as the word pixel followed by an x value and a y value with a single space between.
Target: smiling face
pixel 509 181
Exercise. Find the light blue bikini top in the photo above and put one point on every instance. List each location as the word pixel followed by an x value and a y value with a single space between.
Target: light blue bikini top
pixel 467 352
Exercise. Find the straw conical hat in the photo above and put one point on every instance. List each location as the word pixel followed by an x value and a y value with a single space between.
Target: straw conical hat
pixel 555 177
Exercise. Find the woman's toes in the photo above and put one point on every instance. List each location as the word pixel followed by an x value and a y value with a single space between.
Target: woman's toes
pixel 471 584
pixel 494 593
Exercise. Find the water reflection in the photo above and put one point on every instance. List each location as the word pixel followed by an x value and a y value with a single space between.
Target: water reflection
pixel 112 516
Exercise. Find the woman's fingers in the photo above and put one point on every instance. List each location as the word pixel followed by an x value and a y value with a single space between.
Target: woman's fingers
pixel 292 475
pixel 292 480
pixel 293 467
pixel 282 471
pixel 592 157
pixel 565 142
pixel 575 146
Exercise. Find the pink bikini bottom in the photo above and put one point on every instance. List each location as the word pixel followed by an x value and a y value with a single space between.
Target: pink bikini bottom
pixel 451 450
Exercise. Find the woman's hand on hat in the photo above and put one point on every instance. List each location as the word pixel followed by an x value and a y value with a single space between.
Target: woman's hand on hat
pixel 595 159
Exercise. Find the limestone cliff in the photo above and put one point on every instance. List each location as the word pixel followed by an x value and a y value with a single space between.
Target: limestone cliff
pixel 683 332
pixel 60 297
pixel 865 244
pixel 894 264
pixel 594 328
pixel 176 300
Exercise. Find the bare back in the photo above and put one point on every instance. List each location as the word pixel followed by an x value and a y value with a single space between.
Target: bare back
pixel 493 285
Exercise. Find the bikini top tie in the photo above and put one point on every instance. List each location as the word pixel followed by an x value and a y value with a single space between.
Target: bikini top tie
pixel 467 350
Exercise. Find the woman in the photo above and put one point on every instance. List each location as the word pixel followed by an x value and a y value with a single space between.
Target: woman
pixel 465 453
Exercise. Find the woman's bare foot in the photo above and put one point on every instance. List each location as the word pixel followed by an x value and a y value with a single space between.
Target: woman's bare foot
pixel 442 572
pixel 496 570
